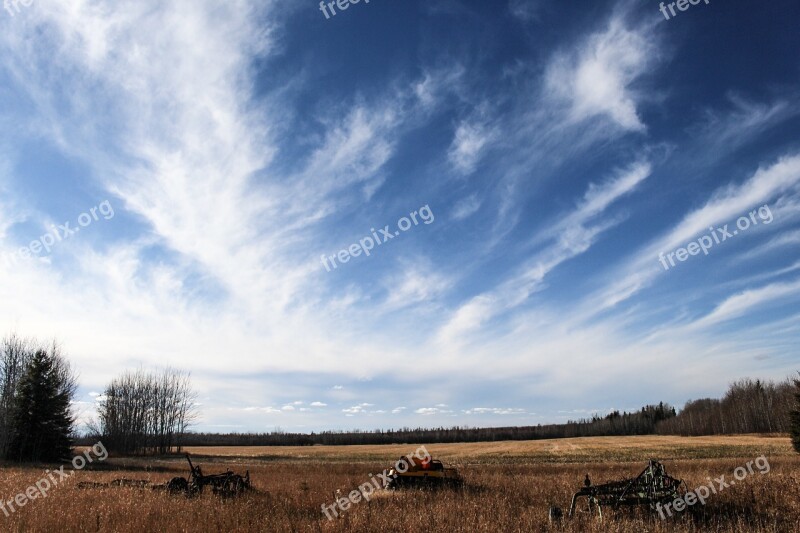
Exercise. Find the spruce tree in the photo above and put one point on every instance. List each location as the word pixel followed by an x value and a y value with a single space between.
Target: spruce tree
pixel 795 417
pixel 43 421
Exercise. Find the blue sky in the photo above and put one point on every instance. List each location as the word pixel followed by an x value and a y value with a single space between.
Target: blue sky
pixel 556 149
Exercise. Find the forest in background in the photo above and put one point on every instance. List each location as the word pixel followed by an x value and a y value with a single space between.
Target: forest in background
pixel 749 406
pixel 144 412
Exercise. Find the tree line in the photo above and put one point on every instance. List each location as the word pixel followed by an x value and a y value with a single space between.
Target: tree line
pixel 749 406
pixel 147 412
pixel 138 412
pixel 640 422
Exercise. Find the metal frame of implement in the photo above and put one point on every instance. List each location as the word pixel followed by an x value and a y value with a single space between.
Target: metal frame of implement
pixel 651 487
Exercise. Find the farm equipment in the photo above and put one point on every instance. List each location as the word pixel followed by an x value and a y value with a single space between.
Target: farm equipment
pixel 225 484
pixel 653 486
pixel 426 472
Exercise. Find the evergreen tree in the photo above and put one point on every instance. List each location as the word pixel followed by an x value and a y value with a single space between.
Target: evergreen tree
pixel 795 417
pixel 42 420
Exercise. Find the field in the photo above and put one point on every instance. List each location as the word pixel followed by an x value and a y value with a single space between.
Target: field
pixel 510 486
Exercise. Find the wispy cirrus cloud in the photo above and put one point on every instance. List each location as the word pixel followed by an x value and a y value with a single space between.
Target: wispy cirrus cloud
pixel 525 10
pixel 471 140
pixel 572 234
pixel 727 203
pixel 235 154
pixel 737 305
pixel 742 120
pixel 596 79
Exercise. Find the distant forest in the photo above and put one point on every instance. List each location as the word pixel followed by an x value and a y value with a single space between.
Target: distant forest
pixel 639 423
pixel 143 412
pixel 749 406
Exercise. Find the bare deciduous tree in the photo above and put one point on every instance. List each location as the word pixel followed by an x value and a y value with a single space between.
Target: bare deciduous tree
pixel 15 353
pixel 749 406
pixel 143 412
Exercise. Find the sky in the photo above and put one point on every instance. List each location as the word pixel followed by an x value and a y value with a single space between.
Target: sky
pixel 407 213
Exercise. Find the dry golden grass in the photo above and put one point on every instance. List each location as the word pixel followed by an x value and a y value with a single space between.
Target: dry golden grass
pixel 510 487
pixel 585 450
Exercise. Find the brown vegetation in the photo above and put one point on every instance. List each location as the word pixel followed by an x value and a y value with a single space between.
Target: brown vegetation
pixel 510 487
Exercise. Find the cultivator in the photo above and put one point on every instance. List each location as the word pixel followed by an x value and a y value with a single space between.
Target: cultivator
pixel 651 487
pixel 225 484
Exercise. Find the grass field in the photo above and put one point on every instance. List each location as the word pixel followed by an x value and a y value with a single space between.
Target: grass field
pixel 510 486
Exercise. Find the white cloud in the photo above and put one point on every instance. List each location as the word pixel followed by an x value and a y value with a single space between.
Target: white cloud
pixel 784 240
pixel 469 143
pixel 436 82
pixel 417 281
pixel 570 236
pixel 190 162
pixel 358 409
pixel 595 80
pixel 525 10
pixel 438 410
pixel 725 205
pixel 742 122
pixel 495 411
pixel 353 151
pixel 467 207
pixel 737 305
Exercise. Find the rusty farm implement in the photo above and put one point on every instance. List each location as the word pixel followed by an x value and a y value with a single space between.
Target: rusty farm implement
pixel 225 484
pixel 650 488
